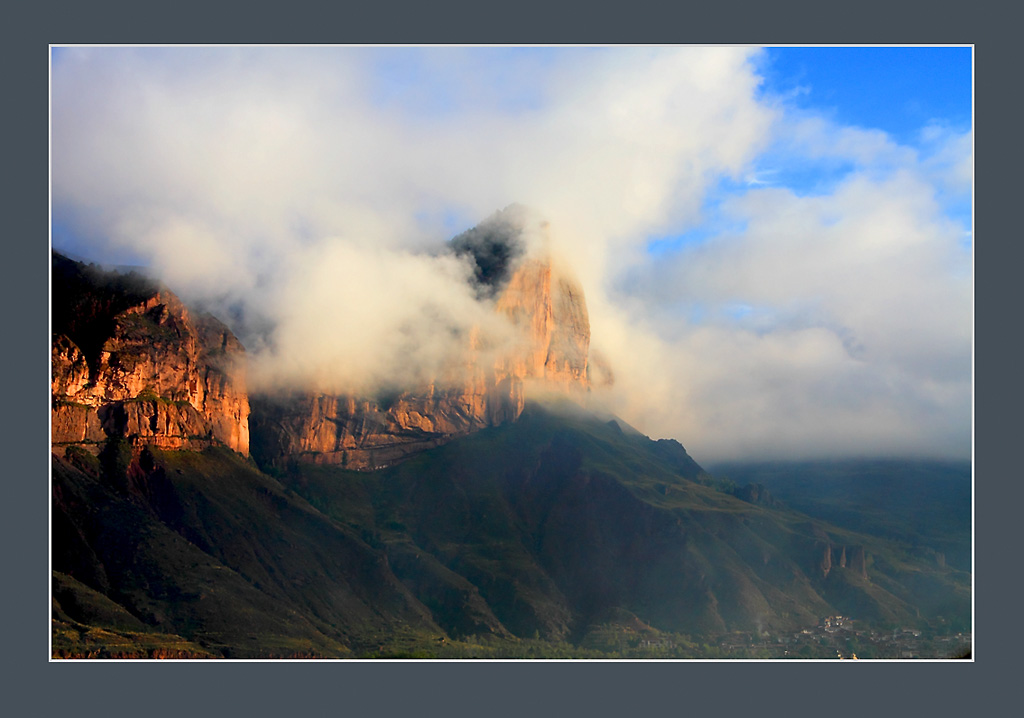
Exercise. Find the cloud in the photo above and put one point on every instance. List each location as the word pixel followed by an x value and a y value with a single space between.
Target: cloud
pixel 243 174
pixel 950 157
pixel 269 147
pixel 361 319
pixel 307 192
pixel 833 323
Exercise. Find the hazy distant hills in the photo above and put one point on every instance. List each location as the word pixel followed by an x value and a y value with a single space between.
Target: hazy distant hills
pixel 923 504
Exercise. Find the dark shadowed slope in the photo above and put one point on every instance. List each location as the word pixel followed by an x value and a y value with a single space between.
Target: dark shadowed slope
pixel 557 522
pixel 203 546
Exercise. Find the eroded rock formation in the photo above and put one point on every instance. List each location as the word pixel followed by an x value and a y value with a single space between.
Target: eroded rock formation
pixel 832 556
pixel 129 360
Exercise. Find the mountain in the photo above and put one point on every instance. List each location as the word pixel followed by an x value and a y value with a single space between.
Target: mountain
pixel 427 523
pixel 546 308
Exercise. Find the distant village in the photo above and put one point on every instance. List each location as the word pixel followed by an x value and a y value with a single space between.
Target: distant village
pixel 843 638
pixel 833 638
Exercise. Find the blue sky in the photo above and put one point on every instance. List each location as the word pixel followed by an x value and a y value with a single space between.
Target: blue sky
pixel 898 90
pixel 908 93
pixel 775 243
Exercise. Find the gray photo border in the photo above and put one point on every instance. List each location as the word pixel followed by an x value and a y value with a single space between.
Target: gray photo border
pixel 37 686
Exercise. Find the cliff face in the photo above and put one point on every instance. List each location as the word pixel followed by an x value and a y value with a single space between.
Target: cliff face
pixel 130 361
pixel 363 434
pixel 551 313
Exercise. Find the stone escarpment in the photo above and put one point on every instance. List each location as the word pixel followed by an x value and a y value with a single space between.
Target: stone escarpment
pixel 364 434
pixel 551 313
pixel 130 361
pixel 549 350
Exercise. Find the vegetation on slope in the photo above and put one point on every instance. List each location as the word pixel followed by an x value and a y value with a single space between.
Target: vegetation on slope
pixel 560 535
pixel 559 520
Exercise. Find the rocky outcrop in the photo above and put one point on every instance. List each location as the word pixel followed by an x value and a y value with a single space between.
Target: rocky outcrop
pixel 857 561
pixel 853 560
pixel 550 312
pixel 137 364
pixel 826 560
pixel 756 494
pixel 364 434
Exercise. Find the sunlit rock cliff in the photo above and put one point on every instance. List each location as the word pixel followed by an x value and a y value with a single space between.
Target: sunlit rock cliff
pixel 551 311
pixel 130 361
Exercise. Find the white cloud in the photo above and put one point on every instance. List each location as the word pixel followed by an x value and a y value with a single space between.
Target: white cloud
pixel 855 335
pixel 356 318
pixel 950 158
pixel 305 185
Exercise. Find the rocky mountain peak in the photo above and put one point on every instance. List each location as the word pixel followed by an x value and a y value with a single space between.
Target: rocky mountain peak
pixel 548 352
pixel 510 253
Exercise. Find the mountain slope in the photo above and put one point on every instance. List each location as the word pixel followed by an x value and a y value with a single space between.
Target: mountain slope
pixel 204 546
pixel 558 521
pixel 546 527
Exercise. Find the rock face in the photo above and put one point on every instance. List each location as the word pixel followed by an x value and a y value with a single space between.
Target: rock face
pixel 756 494
pixel 548 314
pixel 551 311
pixel 130 361
pixel 363 434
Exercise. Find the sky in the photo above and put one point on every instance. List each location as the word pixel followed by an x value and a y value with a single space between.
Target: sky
pixel 775 243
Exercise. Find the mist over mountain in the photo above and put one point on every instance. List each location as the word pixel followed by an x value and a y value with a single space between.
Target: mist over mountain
pixel 489 509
